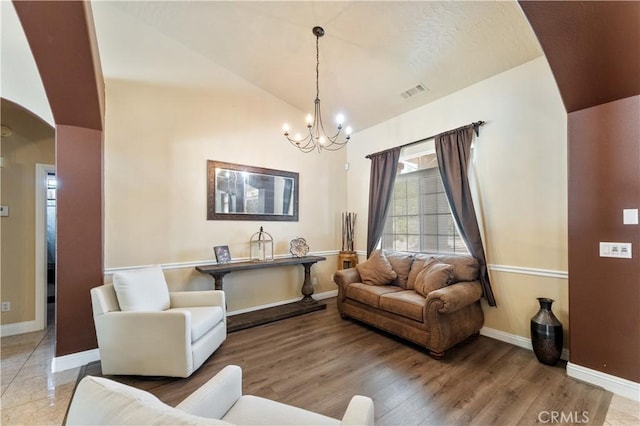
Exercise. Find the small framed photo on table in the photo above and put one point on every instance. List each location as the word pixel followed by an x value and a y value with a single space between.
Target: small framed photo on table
pixel 222 254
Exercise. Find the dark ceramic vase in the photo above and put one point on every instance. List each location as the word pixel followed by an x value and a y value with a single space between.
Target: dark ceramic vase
pixel 546 333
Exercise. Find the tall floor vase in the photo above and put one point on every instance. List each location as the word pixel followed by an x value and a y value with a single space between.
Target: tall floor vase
pixel 546 333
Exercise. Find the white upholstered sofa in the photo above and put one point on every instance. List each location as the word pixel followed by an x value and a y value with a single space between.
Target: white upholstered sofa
pixel 145 330
pixel 100 401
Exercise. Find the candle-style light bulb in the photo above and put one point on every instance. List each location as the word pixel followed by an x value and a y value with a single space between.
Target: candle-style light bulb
pixel 309 120
pixel 340 120
pixel 321 140
pixel 348 130
pixel 285 129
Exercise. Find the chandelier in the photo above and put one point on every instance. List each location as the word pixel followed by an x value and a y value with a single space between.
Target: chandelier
pixel 317 139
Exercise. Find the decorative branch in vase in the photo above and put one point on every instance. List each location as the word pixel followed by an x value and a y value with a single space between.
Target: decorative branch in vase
pixel 348 230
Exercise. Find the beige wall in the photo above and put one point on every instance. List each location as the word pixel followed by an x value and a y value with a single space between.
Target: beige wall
pixel 158 139
pixel 21 151
pixel 521 174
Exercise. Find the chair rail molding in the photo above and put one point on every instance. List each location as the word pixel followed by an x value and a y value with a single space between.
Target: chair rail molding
pixel 549 273
pixel 193 264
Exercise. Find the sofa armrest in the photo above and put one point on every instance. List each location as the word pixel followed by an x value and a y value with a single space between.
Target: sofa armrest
pixel 454 297
pixel 191 299
pixel 345 277
pixel 359 412
pixel 139 328
pixel 131 341
pixel 217 396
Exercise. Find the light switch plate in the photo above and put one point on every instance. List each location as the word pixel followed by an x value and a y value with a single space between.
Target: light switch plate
pixel 4 211
pixel 630 216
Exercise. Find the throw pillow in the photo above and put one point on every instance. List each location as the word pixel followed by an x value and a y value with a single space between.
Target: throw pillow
pixel 143 289
pixel 419 262
pixel 376 270
pixel 401 264
pixel 434 275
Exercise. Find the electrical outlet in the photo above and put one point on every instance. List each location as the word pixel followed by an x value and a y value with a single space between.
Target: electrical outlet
pixel 6 306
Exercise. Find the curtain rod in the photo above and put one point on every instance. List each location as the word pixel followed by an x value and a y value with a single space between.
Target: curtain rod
pixel 476 125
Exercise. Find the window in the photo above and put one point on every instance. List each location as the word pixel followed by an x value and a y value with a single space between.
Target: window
pixel 419 218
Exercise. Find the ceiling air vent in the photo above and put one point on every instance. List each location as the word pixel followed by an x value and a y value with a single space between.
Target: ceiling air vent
pixel 413 91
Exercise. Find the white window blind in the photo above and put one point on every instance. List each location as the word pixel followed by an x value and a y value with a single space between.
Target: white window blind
pixel 419 218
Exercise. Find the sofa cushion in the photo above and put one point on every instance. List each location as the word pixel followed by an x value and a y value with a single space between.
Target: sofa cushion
pixel 369 294
pixel 254 410
pixel 433 276
pixel 143 289
pixel 203 319
pixel 101 401
pixel 401 263
pixel 465 268
pixel 376 270
pixel 407 303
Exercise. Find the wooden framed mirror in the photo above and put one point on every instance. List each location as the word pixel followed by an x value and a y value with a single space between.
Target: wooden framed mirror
pixel 238 192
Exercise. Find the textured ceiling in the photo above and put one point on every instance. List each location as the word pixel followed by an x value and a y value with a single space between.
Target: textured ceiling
pixel 371 52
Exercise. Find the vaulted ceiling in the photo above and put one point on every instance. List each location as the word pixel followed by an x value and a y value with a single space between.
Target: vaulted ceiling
pixel 372 51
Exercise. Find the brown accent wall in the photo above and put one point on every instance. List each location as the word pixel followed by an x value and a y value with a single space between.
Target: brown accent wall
pixel 60 35
pixel 79 235
pixel 593 48
pixel 604 296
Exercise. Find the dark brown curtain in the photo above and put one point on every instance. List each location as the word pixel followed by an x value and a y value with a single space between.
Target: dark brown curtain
pixel 453 150
pixel 383 175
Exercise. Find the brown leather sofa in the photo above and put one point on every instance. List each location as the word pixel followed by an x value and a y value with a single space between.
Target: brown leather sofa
pixel 437 320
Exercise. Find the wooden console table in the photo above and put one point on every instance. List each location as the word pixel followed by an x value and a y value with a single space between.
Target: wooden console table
pixel 250 319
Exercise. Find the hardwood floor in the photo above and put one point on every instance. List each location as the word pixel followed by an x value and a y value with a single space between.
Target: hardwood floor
pixel 319 361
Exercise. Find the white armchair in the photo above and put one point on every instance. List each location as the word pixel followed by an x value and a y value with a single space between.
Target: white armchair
pixel 100 401
pixel 145 330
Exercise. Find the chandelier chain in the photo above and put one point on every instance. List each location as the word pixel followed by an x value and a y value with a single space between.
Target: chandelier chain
pixel 317 68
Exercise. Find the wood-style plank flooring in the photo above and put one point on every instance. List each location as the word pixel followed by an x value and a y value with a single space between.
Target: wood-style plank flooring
pixel 318 361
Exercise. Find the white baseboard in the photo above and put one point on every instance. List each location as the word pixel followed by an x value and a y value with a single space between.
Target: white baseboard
pixel 317 296
pixel 617 385
pixel 19 328
pixel 516 340
pixel 77 359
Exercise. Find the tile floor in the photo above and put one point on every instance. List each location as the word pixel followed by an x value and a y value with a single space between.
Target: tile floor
pixel 32 395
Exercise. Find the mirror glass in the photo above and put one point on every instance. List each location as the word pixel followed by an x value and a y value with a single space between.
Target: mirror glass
pixel 237 192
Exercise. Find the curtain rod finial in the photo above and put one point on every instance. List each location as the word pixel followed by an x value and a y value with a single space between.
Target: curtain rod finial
pixel 476 127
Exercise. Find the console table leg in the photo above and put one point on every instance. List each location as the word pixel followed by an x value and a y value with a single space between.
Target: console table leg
pixel 307 286
pixel 218 281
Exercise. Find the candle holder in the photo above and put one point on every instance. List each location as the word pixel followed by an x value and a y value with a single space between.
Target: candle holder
pixel 261 246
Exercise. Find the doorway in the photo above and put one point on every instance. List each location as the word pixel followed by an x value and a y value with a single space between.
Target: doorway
pixel 45 245
pixel 51 247
pixel 28 152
